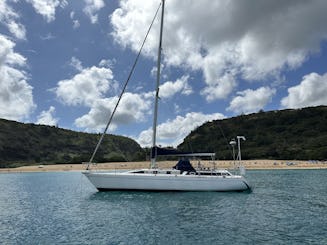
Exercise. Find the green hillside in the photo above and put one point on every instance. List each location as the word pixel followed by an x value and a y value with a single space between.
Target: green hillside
pixel 22 144
pixel 288 134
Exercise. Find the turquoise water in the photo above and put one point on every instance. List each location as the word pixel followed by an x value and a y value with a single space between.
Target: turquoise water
pixel 285 207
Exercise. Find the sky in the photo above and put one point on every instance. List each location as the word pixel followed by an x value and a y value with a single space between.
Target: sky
pixel 64 62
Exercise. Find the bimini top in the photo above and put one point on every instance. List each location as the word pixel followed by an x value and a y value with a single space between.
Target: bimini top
pixel 158 151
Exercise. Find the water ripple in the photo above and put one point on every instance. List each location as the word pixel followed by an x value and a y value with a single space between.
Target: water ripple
pixel 285 207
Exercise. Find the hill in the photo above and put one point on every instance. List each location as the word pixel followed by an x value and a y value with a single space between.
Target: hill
pixel 287 134
pixel 22 144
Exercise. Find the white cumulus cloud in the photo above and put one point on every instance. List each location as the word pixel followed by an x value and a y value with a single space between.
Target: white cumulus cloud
pixel 221 88
pixel 132 108
pixel 9 18
pixel 131 20
pixel 86 87
pixel 312 91
pixel 217 37
pixel 249 100
pixel 16 95
pixel 174 131
pixel 47 117
pixel 47 8
pixel 92 88
pixel 169 89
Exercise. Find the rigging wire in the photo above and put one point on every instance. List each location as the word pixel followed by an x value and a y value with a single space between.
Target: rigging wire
pixel 227 143
pixel 123 91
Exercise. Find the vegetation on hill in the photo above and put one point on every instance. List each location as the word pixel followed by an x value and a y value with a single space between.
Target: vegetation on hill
pixel 288 134
pixel 22 144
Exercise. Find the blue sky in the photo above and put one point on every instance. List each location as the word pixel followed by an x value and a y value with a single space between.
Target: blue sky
pixel 64 62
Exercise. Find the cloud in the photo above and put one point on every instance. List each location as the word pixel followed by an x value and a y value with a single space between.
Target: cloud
pixel 76 63
pixel 10 19
pixel 47 118
pixel 86 87
pixel 72 15
pixel 47 8
pixel 249 100
pixel 89 88
pixel 107 63
pixel 169 89
pixel 76 24
pixel 48 36
pixel 311 91
pixel 131 20
pixel 132 108
pixel 252 43
pixel 220 89
pixel 91 9
pixel 172 132
pixel 17 29
pixel 16 97
pixel 63 3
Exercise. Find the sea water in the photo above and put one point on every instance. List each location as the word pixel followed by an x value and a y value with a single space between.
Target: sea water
pixel 285 207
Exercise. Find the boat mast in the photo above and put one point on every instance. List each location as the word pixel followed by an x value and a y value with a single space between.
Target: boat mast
pixel 155 115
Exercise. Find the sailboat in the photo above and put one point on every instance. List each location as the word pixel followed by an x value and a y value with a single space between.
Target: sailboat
pixel 182 177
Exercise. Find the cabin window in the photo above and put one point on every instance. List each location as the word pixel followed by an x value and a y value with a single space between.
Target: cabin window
pixel 168 172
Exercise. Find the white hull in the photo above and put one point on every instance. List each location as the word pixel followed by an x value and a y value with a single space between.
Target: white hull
pixel 165 182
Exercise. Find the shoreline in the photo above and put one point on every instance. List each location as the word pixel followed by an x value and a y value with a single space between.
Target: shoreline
pixel 226 164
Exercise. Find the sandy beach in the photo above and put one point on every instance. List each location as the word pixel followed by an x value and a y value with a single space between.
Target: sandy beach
pixel 248 164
